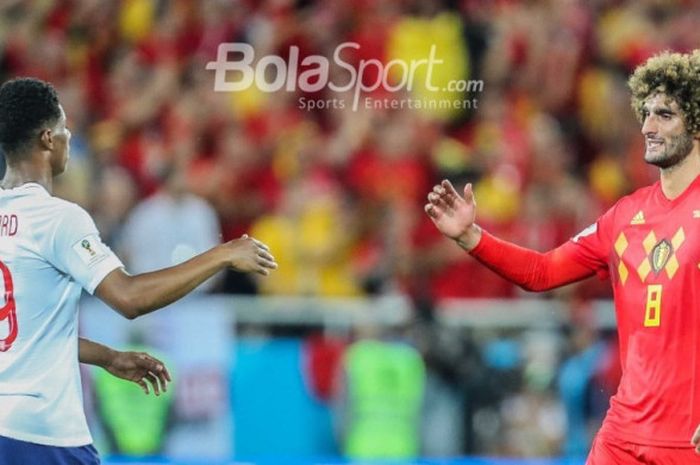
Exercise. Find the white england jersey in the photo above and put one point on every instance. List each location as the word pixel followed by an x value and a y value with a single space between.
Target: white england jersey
pixel 49 250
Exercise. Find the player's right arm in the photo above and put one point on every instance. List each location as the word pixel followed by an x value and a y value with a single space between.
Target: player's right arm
pixel 73 245
pixel 455 216
pixel 137 295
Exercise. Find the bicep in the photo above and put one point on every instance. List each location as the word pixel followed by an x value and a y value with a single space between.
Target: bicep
pixel 113 290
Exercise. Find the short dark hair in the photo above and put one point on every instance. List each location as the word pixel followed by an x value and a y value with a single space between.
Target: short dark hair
pixel 27 105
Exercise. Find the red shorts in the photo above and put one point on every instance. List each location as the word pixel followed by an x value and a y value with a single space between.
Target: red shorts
pixel 608 451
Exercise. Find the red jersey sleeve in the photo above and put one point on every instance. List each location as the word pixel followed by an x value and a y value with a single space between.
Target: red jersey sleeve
pixel 529 269
pixel 584 255
pixel 591 247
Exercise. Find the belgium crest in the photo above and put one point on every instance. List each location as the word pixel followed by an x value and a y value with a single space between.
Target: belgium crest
pixel 660 255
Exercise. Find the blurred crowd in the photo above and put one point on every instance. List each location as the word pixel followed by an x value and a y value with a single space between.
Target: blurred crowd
pixel 168 167
pixel 338 194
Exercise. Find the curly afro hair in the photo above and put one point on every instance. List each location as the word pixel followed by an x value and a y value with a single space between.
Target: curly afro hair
pixel 675 74
pixel 27 106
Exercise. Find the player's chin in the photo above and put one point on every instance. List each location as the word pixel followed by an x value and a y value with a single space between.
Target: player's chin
pixel 651 155
pixel 658 159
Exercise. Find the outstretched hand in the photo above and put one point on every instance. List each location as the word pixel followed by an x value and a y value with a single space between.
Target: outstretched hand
pixel 251 255
pixel 453 214
pixel 142 369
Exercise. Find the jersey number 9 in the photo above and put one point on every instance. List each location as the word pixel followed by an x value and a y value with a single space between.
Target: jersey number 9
pixel 9 310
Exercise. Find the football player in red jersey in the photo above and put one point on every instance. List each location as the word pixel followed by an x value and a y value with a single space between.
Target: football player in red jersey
pixel 648 243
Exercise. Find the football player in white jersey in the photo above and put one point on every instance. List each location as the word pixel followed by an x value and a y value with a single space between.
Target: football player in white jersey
pixel 50 250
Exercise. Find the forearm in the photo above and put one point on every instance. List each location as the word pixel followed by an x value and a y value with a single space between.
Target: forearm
pixel 531 270
pixel 92 353
pixel 157 289
pixel 140 294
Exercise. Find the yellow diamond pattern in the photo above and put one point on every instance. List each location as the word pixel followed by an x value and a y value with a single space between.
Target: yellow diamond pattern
pixel 649 242
pixel 672 266
pixel 678 239
pixel 644 269
pixel 621 244
pixel 624 273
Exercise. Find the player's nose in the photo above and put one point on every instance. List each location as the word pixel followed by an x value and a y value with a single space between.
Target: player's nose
pixel 650 126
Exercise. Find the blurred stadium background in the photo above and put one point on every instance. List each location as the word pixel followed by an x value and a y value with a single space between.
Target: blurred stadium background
pixel 376 337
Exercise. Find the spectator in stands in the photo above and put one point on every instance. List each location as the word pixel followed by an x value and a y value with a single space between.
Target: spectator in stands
pixel 169 228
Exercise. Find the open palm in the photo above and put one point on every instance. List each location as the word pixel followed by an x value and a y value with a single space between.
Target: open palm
pixel 452 214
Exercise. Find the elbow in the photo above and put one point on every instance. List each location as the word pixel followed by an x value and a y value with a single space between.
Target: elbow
pixel 527 287
pixel 128 309
pixel 530 288
pixel 130 313
pixel 535 287
pixel 124 293
pixel 128 305
pixel 536 280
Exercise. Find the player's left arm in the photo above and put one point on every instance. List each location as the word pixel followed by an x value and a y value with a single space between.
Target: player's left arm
pixel 137 367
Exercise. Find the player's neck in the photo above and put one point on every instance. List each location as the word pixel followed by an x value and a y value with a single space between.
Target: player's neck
pixel 23 172
pixel 675 180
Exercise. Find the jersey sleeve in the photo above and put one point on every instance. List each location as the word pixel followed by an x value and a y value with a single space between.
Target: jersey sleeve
pixel 591 247
pixel 78 250
pixel 529 269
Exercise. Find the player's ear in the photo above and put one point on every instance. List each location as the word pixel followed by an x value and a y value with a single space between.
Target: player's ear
pixel 46 139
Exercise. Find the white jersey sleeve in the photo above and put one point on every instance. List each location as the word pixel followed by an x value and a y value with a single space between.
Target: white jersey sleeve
pixel 78 250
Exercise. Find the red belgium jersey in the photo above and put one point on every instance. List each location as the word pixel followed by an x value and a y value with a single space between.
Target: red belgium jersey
pixel 650 248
